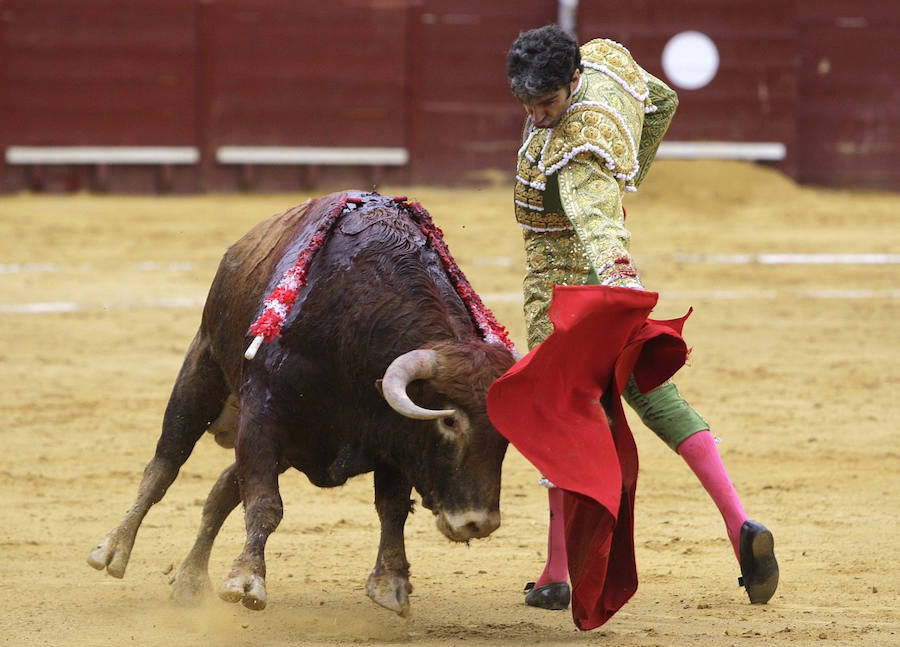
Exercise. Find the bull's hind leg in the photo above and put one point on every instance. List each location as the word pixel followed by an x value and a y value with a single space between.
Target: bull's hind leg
pixel 256 454
pixel 197 398
pixel 388 583
pixel 191 580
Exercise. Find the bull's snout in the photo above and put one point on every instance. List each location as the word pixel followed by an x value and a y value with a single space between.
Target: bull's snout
pixel 470 524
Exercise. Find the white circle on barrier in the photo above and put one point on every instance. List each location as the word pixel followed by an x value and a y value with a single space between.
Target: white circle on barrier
pixel 690 60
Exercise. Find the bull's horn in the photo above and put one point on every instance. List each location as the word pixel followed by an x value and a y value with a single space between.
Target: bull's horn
pixel 418 364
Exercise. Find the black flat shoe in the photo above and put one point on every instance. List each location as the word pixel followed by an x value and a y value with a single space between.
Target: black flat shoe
pixel 759 570
pixel 554 596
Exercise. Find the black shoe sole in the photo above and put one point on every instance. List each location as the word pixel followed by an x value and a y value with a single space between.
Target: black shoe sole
pixel 759 568
pixel 554 596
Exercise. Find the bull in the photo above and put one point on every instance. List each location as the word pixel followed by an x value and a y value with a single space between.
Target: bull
pixel 379 367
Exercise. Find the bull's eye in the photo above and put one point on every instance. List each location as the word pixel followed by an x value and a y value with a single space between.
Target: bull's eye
pixel 449 421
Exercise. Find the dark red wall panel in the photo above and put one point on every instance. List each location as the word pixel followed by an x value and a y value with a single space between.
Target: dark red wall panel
pixel 100 72
pixel 467 119
pixel 753 95
pixel 848 123
pixel 308 73
pixel 428 75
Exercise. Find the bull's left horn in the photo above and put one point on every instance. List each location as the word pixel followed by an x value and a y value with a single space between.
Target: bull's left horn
pixel 420 364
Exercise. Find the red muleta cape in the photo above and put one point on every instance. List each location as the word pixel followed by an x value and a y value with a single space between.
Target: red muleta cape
pixel 547 406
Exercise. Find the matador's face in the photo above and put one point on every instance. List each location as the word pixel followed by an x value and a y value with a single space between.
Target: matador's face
pixel 546 110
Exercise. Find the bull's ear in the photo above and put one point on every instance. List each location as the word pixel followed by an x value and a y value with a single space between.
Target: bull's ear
pixel 379 387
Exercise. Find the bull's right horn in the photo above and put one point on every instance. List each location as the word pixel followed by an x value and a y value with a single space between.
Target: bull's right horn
pixel 420 364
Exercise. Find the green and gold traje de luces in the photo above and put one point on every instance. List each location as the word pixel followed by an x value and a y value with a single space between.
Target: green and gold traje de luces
pixel 602 120
pixel 571 178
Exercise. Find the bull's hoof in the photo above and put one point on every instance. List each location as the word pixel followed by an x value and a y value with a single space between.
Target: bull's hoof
pixel 390 591
pixel 190 585
pixel 247 588
pixel 112 554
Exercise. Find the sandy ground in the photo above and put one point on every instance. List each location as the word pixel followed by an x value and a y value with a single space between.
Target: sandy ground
pixel 795 365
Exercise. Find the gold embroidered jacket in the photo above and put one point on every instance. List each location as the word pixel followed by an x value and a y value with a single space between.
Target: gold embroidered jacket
pixel 571 178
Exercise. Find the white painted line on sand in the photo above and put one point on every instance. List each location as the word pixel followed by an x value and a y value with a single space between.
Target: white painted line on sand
pixel 41 307
pixel 59 307
pixel 789 259
pixel 506 261
pixel 53 268
pixel 851 294
pixel 494 261
pixel 490 298
pixel 171 266
pixel 27 268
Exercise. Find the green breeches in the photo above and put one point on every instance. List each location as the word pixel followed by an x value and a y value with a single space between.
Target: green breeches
pixel 665 412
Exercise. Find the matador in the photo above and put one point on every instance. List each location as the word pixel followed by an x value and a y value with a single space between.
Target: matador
pixel 595 119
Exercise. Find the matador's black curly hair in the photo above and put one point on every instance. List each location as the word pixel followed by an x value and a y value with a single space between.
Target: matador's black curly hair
pixel 540 61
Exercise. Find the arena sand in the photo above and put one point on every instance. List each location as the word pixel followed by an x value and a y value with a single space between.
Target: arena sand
pixel 795 366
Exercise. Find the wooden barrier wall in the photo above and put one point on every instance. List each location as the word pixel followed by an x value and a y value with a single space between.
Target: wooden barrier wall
pixel 752 98
pixel 181 80
pixel 848 108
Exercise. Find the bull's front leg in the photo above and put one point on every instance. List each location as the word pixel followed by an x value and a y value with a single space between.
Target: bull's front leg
pixel 257 469
pixel 388 583
pixel 191 580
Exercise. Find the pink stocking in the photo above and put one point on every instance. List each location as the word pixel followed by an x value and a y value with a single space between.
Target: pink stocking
pixel 700 453
pixel 557 569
